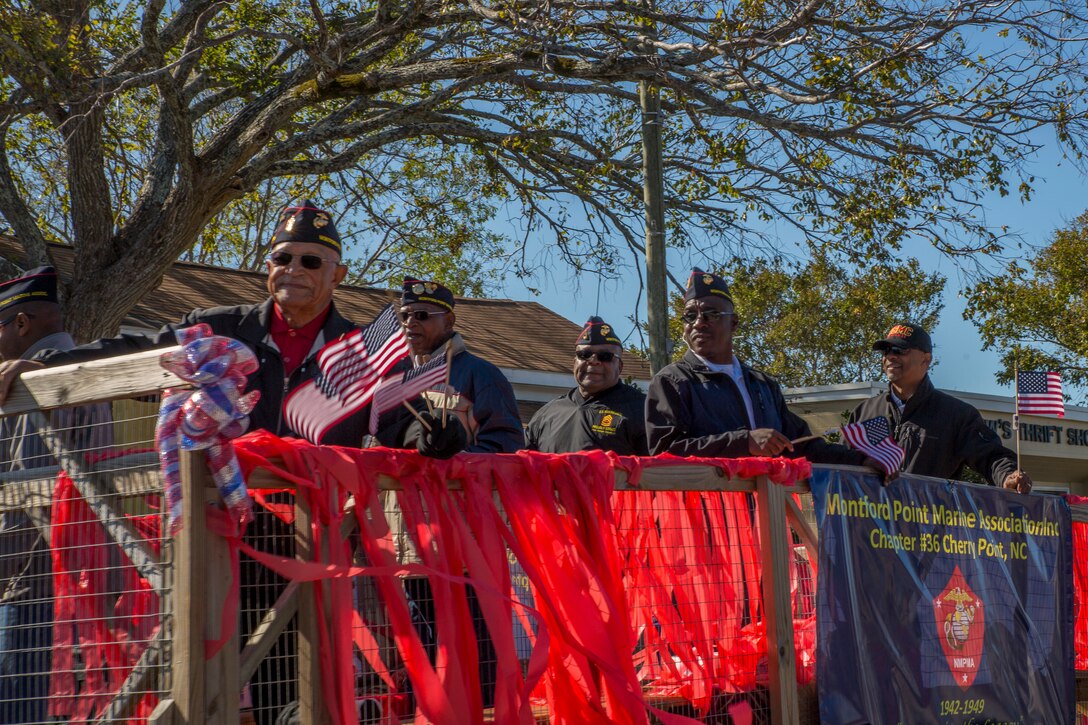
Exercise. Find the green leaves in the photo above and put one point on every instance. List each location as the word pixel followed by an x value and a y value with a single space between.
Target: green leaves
pixel 1034 312
pixel 504 137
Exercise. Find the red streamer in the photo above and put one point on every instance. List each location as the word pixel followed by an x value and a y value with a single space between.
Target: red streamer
pixel 1080 586
pixel 680 570
pixel 111 638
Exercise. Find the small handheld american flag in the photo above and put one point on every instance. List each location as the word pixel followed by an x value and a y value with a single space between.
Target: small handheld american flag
pixel 396 389
pixel 350 369
pixel 874 438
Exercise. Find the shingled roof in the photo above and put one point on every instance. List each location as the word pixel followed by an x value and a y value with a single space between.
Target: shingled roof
pixel 510 334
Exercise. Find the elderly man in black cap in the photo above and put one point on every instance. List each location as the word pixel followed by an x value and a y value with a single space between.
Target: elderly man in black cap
pixel 601 412
pixel 479 394
pixel 940 434
pixel 285 331
pixel 31 321
pixel 709 404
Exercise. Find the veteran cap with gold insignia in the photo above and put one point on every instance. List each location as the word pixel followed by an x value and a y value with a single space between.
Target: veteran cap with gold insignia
pixel 597 332
pixel 36 285
pixel 306 223
pixel 705 284
pixel 906 336
pixel 418 290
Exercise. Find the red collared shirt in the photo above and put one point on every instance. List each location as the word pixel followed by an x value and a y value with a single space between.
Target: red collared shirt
pixel 295 343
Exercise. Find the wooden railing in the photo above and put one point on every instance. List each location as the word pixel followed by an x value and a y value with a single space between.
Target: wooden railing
pixel 195 575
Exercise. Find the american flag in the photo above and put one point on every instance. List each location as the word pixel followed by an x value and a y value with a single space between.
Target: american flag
pixel 1039 393
pixel 310 412
pixel 350 369
pixel 394 390
pixel 353 364
pixel 873 437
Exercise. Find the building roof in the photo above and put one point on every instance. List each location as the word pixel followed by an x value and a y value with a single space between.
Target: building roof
pixel 508 333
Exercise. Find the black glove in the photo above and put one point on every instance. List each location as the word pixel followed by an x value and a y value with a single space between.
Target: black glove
pixel 439 441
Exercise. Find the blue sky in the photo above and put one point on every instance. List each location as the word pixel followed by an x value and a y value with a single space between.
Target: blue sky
pixel 1059 197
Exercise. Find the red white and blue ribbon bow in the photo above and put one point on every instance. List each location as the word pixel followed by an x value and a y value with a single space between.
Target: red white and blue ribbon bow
pixel 207 417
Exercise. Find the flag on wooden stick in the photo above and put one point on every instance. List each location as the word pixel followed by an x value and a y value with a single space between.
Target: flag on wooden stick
pixel 394 390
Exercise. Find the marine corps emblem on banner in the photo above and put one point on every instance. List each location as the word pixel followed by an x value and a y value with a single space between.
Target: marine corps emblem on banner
pixel 961 627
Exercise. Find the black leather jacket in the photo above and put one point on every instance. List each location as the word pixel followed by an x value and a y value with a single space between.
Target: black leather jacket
pixel 694 411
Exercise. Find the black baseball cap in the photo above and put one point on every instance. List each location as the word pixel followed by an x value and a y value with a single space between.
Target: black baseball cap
pixel 907 335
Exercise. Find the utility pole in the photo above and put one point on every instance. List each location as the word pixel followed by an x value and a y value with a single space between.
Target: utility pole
pixel 653 194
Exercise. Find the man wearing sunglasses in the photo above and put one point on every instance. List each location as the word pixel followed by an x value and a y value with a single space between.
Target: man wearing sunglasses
pixel 479 394
pixel 30 321
pixel 285 331
pixel 939 433
pixel 601 412
pixel 709 404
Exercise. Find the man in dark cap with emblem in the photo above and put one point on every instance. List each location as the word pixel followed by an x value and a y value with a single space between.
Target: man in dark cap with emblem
pixel 940 434
pixel 710 404
pixel 285 331
pixel 481 397
pixel 602 412
pixel 31 321
pixel 479 394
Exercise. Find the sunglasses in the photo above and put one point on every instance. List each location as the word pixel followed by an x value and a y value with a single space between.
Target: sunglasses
pixel 604 357
pixel 893 350
pixel 417 315
pixel 308 261
pixel 690 318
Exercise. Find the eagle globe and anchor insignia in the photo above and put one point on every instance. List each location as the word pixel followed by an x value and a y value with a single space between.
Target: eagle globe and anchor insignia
pixel 961 627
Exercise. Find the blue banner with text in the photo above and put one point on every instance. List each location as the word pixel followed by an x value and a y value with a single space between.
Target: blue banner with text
pixel 942 602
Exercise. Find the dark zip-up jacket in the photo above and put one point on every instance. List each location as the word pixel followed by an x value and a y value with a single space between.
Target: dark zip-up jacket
pixel 941 435
pixel 694 411
pixel 612 420
pixel 249 324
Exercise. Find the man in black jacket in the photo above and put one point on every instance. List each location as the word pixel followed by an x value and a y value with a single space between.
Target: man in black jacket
pixel 601 412
pixel 939 433
pixel 709 404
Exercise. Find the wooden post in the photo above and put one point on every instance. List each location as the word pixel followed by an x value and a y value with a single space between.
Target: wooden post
pixel 777 556
pixel 657 296
pixel 203 691
pixel 312 708
pixel 653 196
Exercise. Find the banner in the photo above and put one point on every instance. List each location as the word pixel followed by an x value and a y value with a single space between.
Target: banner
pixel 942 602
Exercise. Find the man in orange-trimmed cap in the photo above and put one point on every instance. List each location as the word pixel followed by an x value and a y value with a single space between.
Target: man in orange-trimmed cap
pixel 602 412
pixel 940 434
pixel 285 331
pixel 479 394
